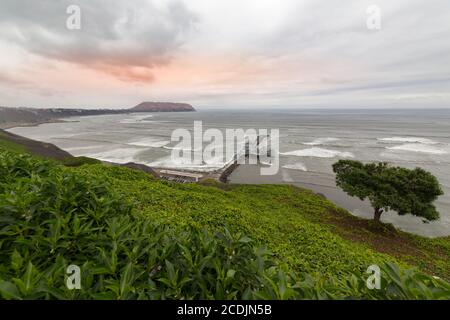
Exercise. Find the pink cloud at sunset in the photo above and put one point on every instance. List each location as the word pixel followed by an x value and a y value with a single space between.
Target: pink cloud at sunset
pixel 295 53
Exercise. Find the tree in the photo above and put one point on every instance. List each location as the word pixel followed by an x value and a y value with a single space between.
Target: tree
pixel 390 188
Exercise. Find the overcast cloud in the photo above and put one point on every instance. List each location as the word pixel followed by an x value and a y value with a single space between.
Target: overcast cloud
pixel 225 53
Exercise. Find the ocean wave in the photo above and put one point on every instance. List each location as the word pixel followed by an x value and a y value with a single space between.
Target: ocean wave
pixel 76 149
pixel 149 142
pixel 119 155
pixel 418 147
pixel 321 141
pixel 183 149
pixel 319 153
pixel 136 119
pixel 408 139
pixel 186 164
pixel 286 177
pixel 239 149
pixel 296 166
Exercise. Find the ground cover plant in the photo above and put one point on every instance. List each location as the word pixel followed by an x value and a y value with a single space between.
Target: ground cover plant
pixel 136 237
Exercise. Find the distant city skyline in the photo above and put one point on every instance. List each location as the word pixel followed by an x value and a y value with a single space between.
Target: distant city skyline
pixel 225 53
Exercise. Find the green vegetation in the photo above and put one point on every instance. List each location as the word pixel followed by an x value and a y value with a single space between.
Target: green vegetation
pixel 7 144
pixel 79 161
pixel 390 188
pixel 42 150
pixel 136 237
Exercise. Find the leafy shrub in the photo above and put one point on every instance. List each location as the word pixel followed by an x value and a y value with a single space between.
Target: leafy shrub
pixel 79 161
pixel 52 217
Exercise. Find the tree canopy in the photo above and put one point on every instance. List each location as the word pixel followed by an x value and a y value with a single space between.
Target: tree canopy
pixel 389 188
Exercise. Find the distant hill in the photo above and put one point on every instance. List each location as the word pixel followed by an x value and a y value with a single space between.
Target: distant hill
pixel 162 107
pixel 11 117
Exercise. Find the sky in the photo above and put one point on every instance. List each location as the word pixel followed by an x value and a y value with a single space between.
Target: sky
pixel 225 53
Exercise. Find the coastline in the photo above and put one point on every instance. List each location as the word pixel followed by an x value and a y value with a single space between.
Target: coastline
pixel 48 150
pixel 226 177
pixel 43 149
pixel 322 185
pixel 12 125
pixel 23 117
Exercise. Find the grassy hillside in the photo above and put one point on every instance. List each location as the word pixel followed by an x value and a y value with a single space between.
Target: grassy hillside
pixel 138 237
pixel 304 230
pixel 13 142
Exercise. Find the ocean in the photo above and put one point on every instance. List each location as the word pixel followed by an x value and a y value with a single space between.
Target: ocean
pixel 310 142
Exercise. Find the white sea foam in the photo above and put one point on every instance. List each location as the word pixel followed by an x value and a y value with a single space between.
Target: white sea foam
pixel 183 149
pixel 150 142
pixel 266 163
pixel 286 176
pixel 418 147
pixel 66 136
pixel 408 139
pixel 137 119
pixel 169 163
pixel 321 141
pixel 119 155
pixel 319 153
pixel 76 149
pixel 296 166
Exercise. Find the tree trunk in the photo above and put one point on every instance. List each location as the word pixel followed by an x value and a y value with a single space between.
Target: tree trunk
pixel 377 215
